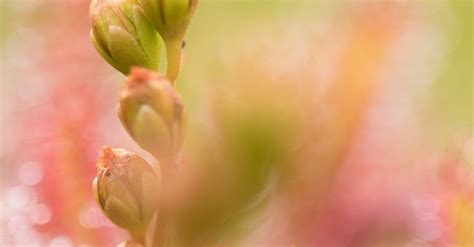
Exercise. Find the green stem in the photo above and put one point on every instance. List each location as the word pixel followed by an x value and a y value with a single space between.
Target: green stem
pixel 173 59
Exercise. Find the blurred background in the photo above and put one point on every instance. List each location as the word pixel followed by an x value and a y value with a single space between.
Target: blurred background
pixel 361 111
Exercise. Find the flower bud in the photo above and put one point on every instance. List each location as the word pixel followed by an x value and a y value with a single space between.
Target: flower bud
pixel 151 111
pixel 126 190
pixel 123 35
pixel 171 18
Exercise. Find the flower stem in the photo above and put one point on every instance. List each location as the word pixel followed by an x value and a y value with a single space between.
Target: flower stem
pixel 173 59
pixel 168 166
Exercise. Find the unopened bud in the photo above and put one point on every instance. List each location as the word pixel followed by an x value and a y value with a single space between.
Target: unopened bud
pixel 151 111
pixel 123 35
pixel 126 190
pixel 171 18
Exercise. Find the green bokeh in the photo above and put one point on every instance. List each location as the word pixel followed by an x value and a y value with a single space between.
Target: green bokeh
pixel 451 110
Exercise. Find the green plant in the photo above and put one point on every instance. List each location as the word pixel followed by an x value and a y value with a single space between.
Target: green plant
pixel 131 36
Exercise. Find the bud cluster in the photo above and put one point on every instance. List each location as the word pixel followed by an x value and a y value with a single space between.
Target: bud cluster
pixel 130 35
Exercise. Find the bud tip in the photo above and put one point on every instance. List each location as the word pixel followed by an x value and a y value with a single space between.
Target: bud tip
pixel 106 157
pixel 140 75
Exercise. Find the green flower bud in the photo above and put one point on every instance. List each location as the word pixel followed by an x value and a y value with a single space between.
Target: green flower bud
pixel 151 111
pixel 123 35
pixel 126 190
pixel 171 19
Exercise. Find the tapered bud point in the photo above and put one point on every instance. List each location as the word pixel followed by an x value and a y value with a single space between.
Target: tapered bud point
pixel 151 111
pixel 126 189
pixel 139 76
pixel 123 35
pixel 107 158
